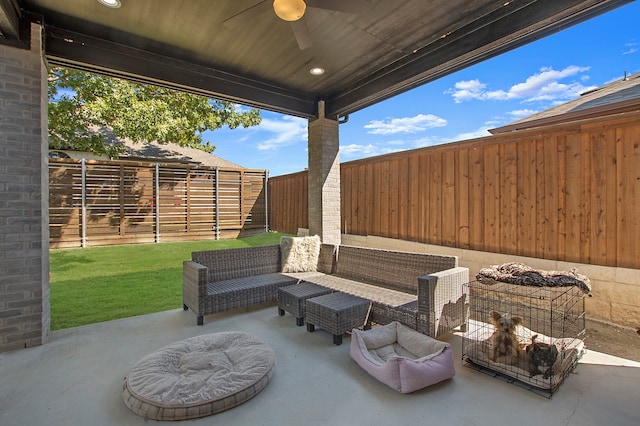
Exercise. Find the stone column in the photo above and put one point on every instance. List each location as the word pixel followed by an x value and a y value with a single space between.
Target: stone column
pixel 324 178
pixel 24 196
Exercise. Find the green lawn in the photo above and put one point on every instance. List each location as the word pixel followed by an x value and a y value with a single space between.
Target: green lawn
pixel 105 283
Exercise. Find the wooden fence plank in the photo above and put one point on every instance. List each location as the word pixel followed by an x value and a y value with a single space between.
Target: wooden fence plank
pixel 395 224
pixel 551 191
pixel 491 185
pixel 561 195
pixel 573 197
pixel 425 194
pixel 476 199
pixel 526 198
pixel 508 198
pixel 603 201
pixel 360 193
pixel 404 197
pixel 413 219
pixel 449 201
pixel 462 197
pixel 435 199
pixel 628 202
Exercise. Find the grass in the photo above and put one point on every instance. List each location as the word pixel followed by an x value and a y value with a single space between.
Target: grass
pixel 106 283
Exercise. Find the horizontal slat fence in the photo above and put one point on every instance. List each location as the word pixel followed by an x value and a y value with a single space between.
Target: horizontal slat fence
pixel 101 203
pixel 569 192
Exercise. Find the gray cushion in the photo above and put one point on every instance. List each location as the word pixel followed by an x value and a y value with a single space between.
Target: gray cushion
pixel 199 376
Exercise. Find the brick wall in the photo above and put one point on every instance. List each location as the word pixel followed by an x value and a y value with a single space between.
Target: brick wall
pixel 324 179
pixel 24 260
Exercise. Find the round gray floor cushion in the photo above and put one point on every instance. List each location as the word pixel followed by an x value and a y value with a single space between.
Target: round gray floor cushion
pixel 199 376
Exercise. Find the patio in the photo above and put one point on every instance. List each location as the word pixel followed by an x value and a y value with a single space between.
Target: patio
pixel 76 378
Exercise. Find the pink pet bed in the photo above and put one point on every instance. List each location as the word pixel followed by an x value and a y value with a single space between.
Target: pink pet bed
pixel 402 358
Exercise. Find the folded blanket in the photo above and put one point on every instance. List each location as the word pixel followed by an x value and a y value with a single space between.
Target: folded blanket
pixel 520 274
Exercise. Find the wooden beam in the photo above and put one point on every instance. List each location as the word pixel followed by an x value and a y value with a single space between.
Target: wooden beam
pixel 68 48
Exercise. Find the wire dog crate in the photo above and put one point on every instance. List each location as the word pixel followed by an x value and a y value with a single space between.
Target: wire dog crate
pixel 549 325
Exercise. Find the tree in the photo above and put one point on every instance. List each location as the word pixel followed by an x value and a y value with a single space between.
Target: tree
pixel 80 103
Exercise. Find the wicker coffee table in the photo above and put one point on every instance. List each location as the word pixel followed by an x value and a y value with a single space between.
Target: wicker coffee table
pixel 336 313
pixel 292 298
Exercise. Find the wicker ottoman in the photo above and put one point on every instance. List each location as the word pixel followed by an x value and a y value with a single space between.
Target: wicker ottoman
pixel 292 298
pixel 336 313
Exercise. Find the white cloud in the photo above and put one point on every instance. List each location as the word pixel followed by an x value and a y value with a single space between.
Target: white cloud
pixel 288 131
pixel 495 122
pixel 439 140
pixel 428 141
pixel 479 133
pixel 521 113
pixel 467 90
pixel 630 48
pixel 353 150
pixel 241 108
pixel 418 123
pixel 542 86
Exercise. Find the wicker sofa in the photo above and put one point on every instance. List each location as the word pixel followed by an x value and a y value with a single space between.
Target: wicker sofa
pixel 422 291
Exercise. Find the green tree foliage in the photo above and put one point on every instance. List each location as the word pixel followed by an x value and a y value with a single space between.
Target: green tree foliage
pixel 81 102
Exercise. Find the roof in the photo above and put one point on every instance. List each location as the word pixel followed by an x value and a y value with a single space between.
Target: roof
pixel 618 96
pixel 240 51
pixel 173 152
pixel 166 152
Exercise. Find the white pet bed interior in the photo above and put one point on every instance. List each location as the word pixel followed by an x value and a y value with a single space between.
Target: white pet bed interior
pixel 199 376
pixel 401 357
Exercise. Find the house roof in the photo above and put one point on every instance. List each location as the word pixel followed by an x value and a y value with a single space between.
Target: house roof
pixel 619 96
pixel 172 152
pixel 240 51
pixel 166 152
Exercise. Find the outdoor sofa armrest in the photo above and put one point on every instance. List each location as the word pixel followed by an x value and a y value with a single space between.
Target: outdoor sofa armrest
pixel 442 301
pixel 194 286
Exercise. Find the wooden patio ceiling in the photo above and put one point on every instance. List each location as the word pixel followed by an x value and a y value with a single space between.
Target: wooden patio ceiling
pixel 391 47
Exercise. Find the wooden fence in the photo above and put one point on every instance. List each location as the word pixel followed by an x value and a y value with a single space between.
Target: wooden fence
pixel 101 203
pixel 291 208
pixel 569 192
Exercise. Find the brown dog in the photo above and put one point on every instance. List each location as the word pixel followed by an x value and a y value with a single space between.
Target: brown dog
pixel 504 340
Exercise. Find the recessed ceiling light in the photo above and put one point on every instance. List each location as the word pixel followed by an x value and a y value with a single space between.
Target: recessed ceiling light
pixel 110 3
pixel 316 71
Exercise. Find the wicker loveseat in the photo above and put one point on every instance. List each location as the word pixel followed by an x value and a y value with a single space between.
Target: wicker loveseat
pixel 221 280
pixel 422 291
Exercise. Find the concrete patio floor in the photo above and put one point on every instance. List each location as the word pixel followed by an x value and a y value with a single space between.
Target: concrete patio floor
pixel 76 379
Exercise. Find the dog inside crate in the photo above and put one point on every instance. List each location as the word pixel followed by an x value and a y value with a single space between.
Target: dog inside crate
pixel 534 334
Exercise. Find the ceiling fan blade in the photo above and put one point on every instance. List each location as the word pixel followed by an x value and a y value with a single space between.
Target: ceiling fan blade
pixel 357 7
pixel 302 34
pixel 247 14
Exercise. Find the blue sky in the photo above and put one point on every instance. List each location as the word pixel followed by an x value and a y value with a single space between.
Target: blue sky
pixel 460 106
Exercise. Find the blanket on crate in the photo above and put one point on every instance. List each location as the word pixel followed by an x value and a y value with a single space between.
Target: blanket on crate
pixel 520 274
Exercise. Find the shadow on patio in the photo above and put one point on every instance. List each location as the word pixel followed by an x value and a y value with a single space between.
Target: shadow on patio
pixel 77 377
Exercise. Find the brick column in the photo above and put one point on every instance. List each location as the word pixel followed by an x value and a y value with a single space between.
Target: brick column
pixel 24 196
pixel 324 178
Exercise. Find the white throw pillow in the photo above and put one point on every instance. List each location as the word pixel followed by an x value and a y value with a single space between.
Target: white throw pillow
pixel 300 254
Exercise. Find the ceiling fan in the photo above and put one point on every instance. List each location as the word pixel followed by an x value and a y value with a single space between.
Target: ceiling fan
pixel 294 10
